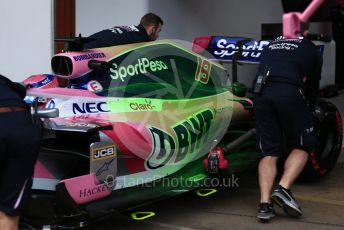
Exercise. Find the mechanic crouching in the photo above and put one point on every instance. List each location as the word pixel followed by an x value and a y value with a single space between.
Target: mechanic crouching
pixel 284 94
pixel 19 146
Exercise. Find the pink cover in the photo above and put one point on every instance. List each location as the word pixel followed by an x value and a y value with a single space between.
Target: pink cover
pixel 86 188
pixel 291 25
pixel 310 10
pixel 292 21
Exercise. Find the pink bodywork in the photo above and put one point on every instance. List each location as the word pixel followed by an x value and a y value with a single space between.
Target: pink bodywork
pixel 86 188
pixel 63 91
pixel 42 172
pixel 80 61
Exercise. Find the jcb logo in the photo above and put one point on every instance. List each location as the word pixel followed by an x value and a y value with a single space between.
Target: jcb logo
pixel 103 153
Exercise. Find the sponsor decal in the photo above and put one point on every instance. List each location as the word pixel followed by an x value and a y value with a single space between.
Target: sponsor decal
pixel 146 106
pixel 135 105
pixel 224 48
pixel 118 29
pixel 228 47
pixel 203 71
pixel 129 28
pixel 89 56
pixel 87 192
pixel 81 125
pixel 103 153
pixel 142 66
pixel 224 109
pixel 283 46
pixel 190 133
pixel 105 167
pixel 47 80
pixel 94 86
pixel 90 107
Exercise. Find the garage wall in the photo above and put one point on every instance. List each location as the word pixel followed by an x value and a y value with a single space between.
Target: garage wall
pixel 93 16
pixel 184 19
pixel 26 38
pixel 217 17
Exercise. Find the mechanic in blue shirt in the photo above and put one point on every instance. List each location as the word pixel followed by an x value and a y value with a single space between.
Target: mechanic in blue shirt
pixel 285 93
pixel 19 146
pixel 148 30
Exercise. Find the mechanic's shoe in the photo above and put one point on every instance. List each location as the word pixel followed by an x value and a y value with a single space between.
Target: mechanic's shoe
pixel 265 211
pixel 284 198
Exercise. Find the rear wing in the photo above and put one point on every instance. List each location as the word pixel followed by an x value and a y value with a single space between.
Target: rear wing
pixel 225 49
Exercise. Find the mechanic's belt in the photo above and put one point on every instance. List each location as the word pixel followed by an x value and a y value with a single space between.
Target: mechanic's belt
pixel 281 80
pixel 11 109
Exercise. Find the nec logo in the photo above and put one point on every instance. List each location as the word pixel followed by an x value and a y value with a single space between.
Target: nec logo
pixel 103 153
pixel 90 107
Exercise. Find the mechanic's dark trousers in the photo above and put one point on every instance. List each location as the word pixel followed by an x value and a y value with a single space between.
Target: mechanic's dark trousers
pixel 283 120
pixel 19 146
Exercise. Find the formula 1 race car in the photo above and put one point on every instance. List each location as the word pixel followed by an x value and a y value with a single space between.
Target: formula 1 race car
pixel 132 118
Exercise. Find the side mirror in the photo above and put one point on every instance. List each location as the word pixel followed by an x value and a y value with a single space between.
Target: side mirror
pixel 46 112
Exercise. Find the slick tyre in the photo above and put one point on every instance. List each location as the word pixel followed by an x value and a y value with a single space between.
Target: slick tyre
pixel 329 131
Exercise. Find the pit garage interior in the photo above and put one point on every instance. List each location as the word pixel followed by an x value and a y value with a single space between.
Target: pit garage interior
pixel 27 45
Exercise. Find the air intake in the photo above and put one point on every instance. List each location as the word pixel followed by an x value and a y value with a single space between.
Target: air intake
pixel 62 65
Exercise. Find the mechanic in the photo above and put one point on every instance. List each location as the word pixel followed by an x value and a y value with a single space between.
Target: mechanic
pixel 148 30
pixel 284 94
pixel 337 18
pixel 19 146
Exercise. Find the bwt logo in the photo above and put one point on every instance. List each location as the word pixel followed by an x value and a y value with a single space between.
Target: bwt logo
pixel 103 153
pixel 228 48
pixel 90 107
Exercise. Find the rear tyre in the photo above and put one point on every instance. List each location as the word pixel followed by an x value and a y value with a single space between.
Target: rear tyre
pixel 329 131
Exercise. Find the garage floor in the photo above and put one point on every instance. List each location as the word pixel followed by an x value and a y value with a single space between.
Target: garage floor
pixel 235 207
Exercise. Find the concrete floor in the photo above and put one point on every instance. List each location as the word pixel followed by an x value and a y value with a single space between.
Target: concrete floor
pixel 235 207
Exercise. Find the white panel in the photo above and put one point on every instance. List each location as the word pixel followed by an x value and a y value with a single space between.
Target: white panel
pixel 26 38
